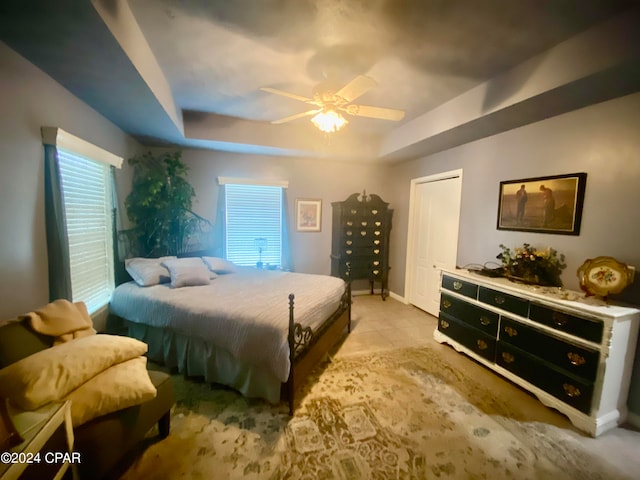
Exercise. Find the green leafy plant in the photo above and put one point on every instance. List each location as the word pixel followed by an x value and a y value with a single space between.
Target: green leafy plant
pixel 159 205
pixel 527 264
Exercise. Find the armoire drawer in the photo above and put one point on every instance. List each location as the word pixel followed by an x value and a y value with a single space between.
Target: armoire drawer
pixel 571 390
pixel 504 301
pixel 470 314
pixel 576 360
pixel 475 340
pixel 453 284
pixel 565 322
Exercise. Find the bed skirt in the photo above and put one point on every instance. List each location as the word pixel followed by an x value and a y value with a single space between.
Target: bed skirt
pixel 193 357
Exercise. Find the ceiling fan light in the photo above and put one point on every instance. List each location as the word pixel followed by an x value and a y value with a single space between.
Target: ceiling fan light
pixel 329 121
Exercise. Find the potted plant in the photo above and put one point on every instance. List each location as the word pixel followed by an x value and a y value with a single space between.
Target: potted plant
pixel 159 206
pixel 529 265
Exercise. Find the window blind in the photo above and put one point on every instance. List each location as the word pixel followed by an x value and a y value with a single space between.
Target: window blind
pixel 86 191
pixel 253 219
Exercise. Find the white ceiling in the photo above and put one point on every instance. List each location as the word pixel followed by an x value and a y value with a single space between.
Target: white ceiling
pixel 189 72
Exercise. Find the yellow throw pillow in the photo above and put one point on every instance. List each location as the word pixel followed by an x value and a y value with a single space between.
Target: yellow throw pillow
pixel 120 386
pixel 63 320
pixel 51 374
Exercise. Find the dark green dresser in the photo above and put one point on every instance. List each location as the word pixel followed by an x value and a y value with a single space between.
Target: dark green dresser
pixel 361 227
pixel 574 353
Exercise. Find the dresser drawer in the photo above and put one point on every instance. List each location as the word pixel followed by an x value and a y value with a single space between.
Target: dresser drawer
pixel 475 340
pixel 360 271
pixel 565 322
pixel 575 360
pixel 355 242
pixel 470 314
pixel 460 286
pixel 369 252
pixel 504 301
pixel 567 388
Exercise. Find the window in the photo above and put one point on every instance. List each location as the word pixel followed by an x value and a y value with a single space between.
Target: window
pixel 87 197
pixel 254 221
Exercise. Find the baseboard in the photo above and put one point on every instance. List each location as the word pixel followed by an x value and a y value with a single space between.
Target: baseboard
pixel 633 419
pixel 399 298
pixel 355 293
pixel 395 296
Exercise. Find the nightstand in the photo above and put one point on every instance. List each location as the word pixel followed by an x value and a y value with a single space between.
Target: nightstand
pixel 36 427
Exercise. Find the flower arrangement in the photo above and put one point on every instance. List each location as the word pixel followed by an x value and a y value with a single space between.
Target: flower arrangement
pixel 540 267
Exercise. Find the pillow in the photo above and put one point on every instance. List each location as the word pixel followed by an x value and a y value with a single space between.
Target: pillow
pixel 219 265
pixel 119 386
pixel 187 272
pixel 147 271
pixel 62 319
pixel 52 373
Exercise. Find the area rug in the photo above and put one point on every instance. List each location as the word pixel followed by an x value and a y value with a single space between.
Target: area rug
pixel 399 414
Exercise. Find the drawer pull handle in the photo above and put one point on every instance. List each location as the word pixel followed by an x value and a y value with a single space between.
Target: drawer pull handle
pixel 364 224
pixel 499 299
pixel 512 332
pixel 349 233
pixel 444 324
pixel 484 321
pixel 349 242
pixel 457 285
pixel 349 252
pixel 363 233
pixel 446 303
pixel 576 359
pixel 353 212
pixel 376 251
pixel 375 272
pixel 349 223
pixel 508 358
pixel 482 345
pixel 376 263
pixel 559 319
pixel 376 242
pixel 571 390
pixel 378 224
pixel 374 211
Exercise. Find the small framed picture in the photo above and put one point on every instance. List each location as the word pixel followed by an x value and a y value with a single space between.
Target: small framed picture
pixel 544 204
pixel 308 215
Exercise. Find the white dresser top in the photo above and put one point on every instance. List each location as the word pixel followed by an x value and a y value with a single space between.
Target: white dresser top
pixel 552 296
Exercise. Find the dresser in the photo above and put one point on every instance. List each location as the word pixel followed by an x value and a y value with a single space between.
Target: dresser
pixel 361 227
pixel 575 354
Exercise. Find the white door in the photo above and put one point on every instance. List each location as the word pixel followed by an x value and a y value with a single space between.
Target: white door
pixel 433 237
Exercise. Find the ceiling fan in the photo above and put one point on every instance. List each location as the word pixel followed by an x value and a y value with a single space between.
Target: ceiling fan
pixel 331 101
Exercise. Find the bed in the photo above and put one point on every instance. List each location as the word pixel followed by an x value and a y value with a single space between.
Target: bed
pixel 258 331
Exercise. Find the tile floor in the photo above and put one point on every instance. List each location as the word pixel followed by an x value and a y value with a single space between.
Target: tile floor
pixel 378 324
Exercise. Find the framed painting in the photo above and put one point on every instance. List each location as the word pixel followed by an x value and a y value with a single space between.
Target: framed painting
pixel 308 215
pixel 544 204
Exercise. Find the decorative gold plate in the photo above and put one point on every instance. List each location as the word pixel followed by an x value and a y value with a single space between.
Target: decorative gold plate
pixel 603 276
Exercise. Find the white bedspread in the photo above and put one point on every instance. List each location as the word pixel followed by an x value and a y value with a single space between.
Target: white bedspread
pixel 245 313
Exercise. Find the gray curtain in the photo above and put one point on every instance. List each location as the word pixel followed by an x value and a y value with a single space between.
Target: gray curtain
pixel 57 245
pixel 219 228
pixel 287 259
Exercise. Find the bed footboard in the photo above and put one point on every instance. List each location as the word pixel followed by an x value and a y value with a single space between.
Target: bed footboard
pixel 307 348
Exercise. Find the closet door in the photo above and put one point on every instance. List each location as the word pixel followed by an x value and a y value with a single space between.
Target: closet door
pixel 433 237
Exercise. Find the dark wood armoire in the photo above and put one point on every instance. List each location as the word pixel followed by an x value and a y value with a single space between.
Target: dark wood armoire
pixel 360 240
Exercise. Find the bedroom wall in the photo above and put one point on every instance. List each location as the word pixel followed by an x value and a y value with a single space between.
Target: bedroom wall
pixel 601 140
pixel 317 179
pixel 30 100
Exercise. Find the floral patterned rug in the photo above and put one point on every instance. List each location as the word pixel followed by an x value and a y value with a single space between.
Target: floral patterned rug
pixel 399 414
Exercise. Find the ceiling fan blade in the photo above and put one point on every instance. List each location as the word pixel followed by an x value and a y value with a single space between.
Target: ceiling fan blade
pixel 356 87
pixel 288 94
pixel 374 112
pixel 296 116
